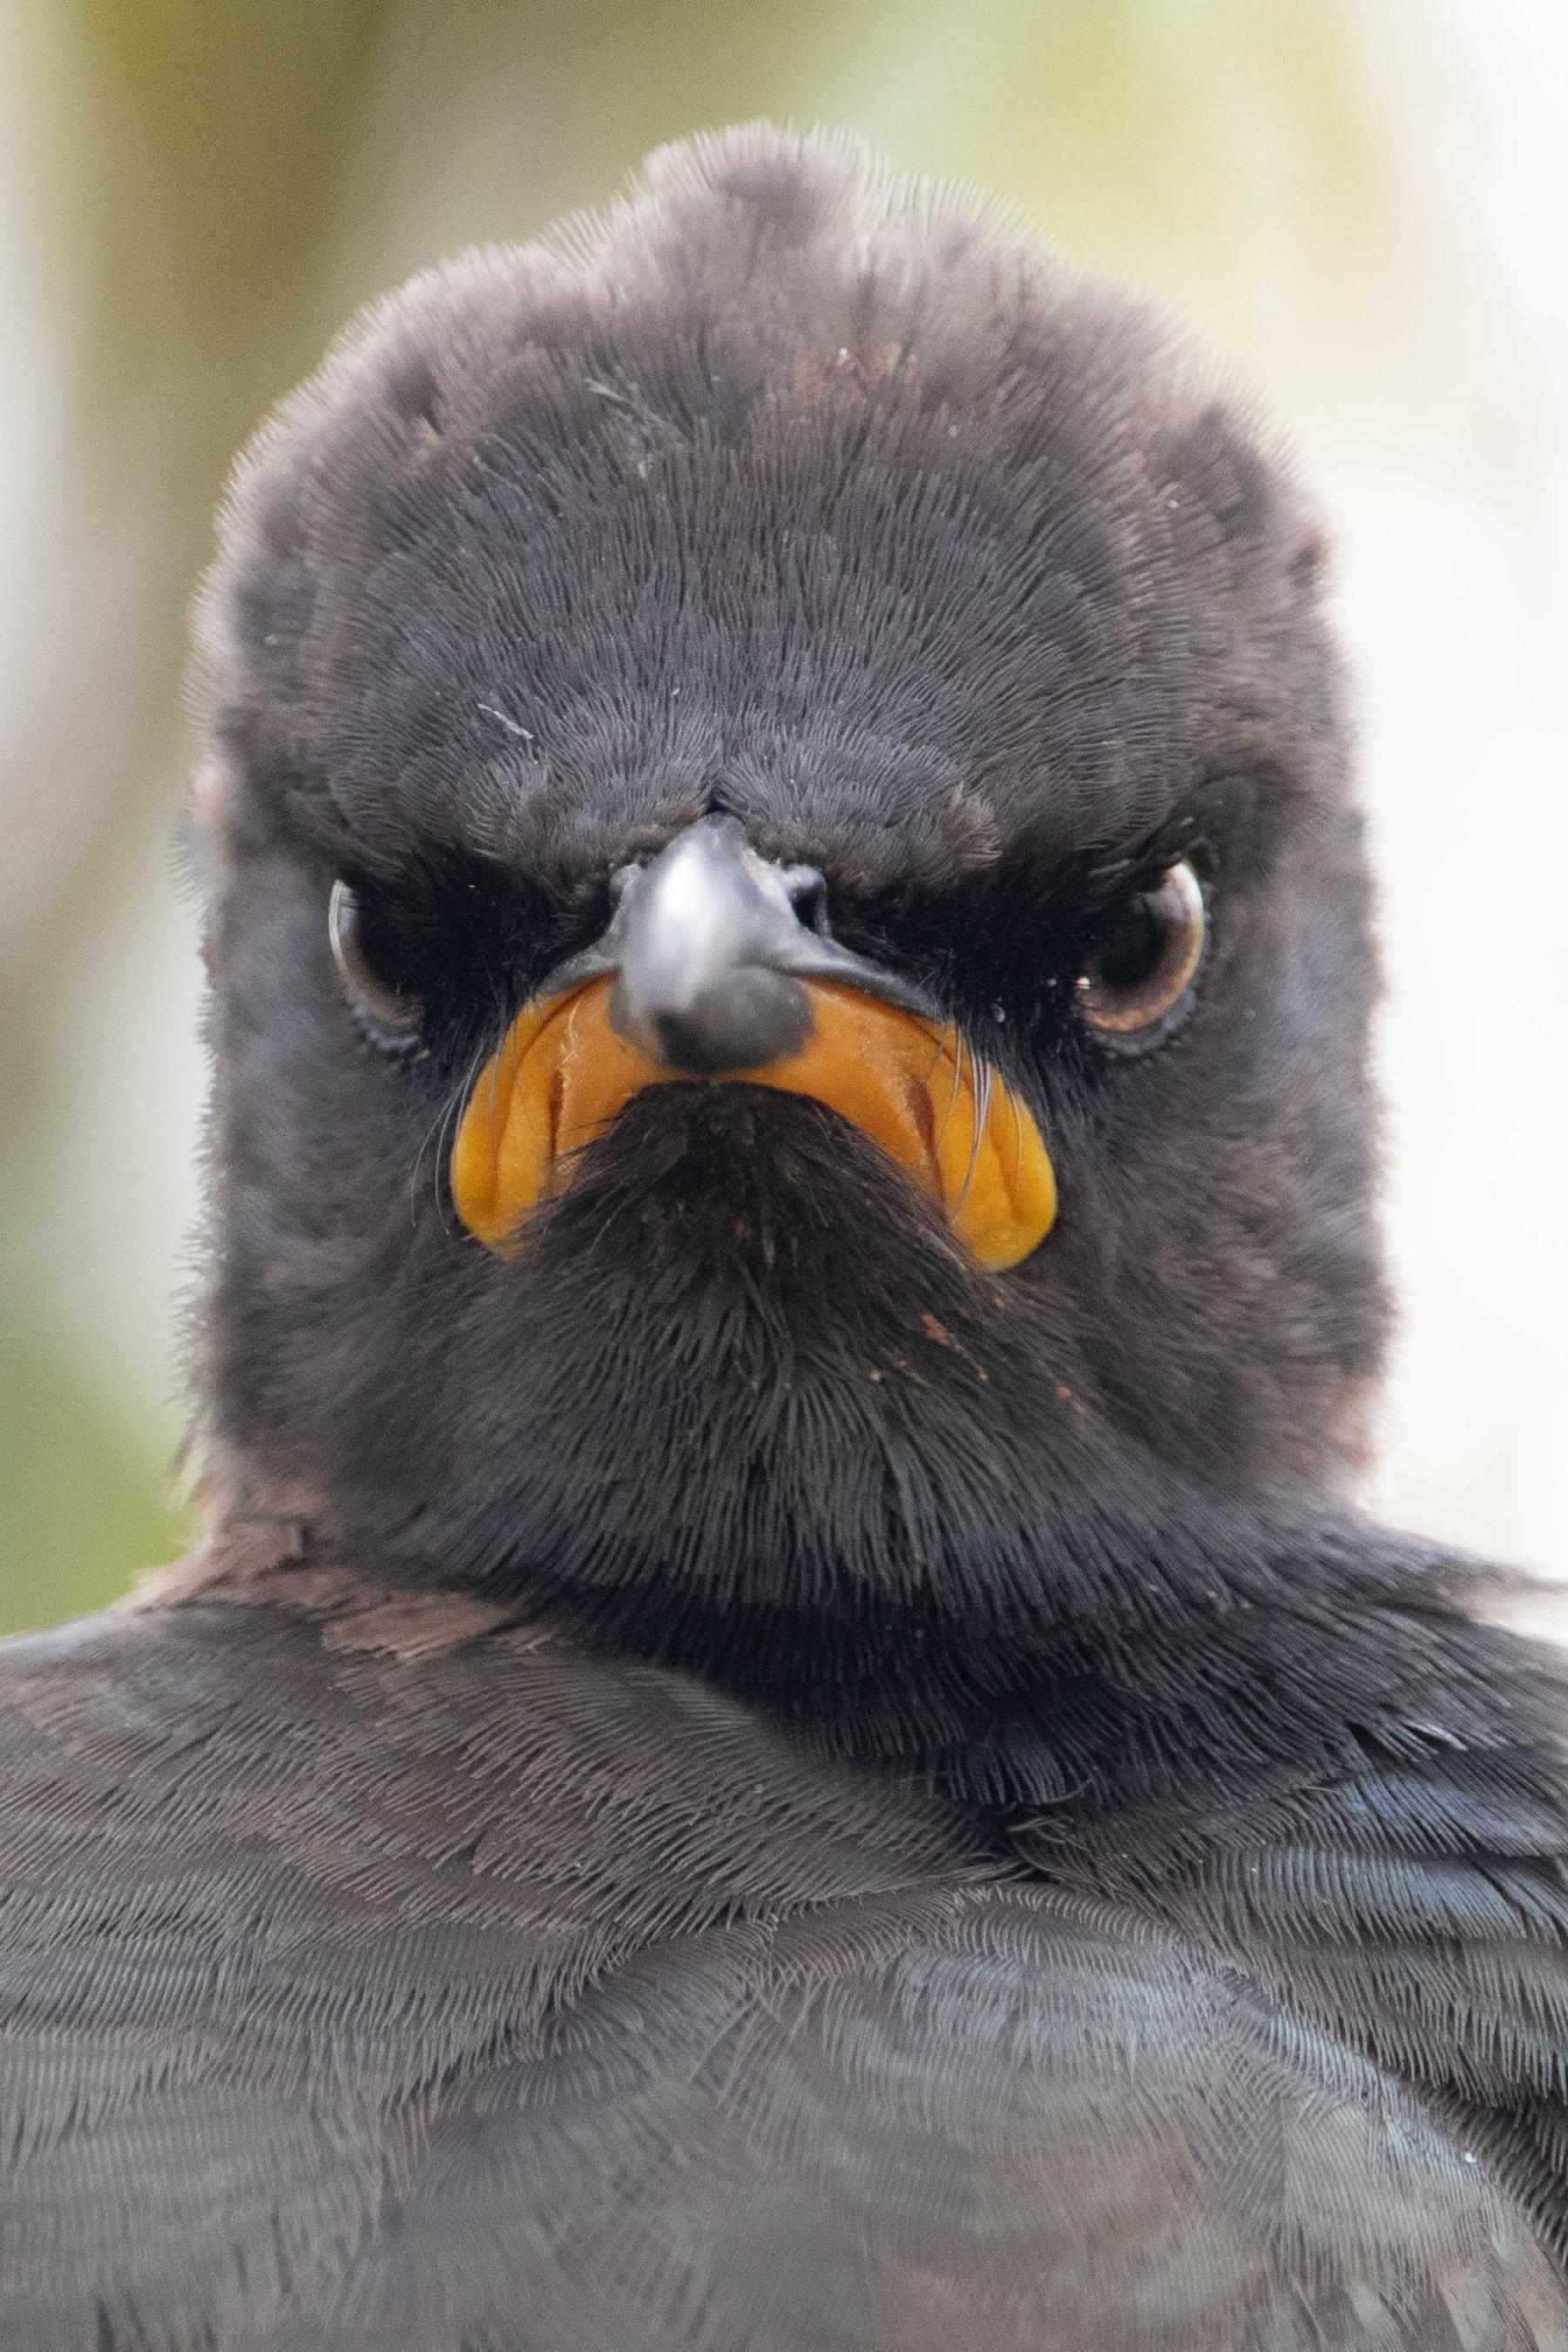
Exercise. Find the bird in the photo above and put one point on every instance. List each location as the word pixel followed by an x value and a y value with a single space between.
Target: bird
pixel 783 1730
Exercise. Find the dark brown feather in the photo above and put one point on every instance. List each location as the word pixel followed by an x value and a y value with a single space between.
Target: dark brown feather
pixel 499 1996
pixel 865 1805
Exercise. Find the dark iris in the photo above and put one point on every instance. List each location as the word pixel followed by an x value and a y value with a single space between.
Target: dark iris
pixel 1138 977
pixel 1129 950
pixel 391 1016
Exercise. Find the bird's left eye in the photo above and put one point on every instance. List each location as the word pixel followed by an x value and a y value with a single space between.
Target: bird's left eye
pixel 390 1016
pixel 1137 983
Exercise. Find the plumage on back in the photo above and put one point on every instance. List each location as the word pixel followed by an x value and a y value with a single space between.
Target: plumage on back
pixel 780 1738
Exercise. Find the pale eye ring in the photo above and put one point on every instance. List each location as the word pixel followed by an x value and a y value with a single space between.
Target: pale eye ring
pixel 392 1018
pixel 1137 984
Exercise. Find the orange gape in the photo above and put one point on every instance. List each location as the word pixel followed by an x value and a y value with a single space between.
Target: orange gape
pixel 562 1074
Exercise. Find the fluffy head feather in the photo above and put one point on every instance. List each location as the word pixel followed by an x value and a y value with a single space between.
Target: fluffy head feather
pixel 795 491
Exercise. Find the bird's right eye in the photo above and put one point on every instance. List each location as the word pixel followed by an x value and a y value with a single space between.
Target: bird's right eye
pixel 391 1017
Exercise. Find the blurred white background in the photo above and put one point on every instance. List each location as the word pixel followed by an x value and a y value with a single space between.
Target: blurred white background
pixel 1361 207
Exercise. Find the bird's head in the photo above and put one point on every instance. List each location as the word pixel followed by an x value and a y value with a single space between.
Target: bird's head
pixel 790 949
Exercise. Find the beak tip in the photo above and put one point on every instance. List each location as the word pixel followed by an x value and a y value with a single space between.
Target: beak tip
pixel 760 1016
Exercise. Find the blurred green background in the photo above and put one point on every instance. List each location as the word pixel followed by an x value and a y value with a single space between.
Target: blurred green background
pixel 1360 207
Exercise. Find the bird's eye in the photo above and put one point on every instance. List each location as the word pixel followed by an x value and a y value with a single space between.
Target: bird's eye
pixel 391 1017
pixel 1138 981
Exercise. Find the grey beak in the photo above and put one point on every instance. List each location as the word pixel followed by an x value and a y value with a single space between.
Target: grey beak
pixel 710 955
pixel 708 937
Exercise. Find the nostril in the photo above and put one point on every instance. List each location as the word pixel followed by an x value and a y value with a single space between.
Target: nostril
pixel 807 891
